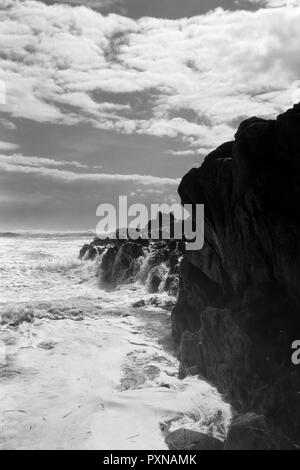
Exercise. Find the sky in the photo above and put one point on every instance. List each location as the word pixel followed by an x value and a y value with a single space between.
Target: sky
pixel 102 98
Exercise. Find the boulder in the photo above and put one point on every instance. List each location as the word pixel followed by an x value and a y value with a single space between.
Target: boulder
pixel 187 439
pixel 84 250
pixel 89 252
pixel 166 304
pixel 120 263
pixel 155 278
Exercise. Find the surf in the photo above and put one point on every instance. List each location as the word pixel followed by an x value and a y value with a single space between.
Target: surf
pixel 83 364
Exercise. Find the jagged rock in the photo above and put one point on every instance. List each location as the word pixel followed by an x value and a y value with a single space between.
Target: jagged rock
pixel 174 261
pixel 89 252
pixel 189 353
pixel 159 256
pixel 126 261
pixel 83 250
pixel 187 439
pixel 92 253
pixel 226 358
pixel 139 304
pixel 155 278
pixel 171 285
pixel 166 304
pixel 248 271
pixel 120 263
pixel 251 432
pixel 108 261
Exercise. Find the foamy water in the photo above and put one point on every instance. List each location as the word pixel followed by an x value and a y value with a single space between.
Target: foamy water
pixel 86 370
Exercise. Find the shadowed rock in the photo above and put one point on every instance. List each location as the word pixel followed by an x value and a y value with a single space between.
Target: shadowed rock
pixel 89 252
pixel 186 439
pixel 251 432
pixel 126 261
pixel 155 278
pixel 241 293
pixel 120 263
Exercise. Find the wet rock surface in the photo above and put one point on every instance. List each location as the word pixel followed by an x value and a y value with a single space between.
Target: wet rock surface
pixel 89 252
pixel 240 295
pixel 154 263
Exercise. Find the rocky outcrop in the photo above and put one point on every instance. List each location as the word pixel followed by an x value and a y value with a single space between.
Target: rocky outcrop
pixel 240 295
pixel 120 263
pixel 90 251
pixel 153 263
pixel 187 439
pixel 156 277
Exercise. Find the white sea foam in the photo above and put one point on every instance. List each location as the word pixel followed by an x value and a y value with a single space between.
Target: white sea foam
pixel 84 369
pixel 43 269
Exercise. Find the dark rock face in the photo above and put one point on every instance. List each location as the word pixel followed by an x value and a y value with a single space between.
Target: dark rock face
pixel 120 263
pixel 166 304
pixel 241 293
pixel 189 353
pixel 186 439
pixel 251 432
pixel 225 358
pixel 154 263
pixel 155 278
pixel 90 251
pixel 84 250
pixel 124 261
pixel 156 258
pixel 172 284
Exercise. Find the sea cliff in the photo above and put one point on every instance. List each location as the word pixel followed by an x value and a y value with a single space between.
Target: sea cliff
pixel 237 313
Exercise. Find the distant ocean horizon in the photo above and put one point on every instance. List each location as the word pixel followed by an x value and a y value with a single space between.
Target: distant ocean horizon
pixel 47 233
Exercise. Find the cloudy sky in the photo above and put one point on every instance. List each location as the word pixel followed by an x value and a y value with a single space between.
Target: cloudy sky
pixel 112 97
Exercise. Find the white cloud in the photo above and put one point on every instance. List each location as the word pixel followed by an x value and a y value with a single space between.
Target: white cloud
pixel 181 153
pixel 277 3
pixel 18 159
pixel 7 146
pixel 39 166
pixel 222 67
pixel 97 4
pixel 35 193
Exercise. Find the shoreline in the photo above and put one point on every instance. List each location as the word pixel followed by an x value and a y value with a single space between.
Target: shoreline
pixel 128 370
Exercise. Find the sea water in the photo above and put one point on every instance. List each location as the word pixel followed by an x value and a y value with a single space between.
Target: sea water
pixel 80 367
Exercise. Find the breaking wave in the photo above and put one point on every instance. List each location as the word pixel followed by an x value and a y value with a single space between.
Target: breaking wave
pixel 86 364
pixel 59 265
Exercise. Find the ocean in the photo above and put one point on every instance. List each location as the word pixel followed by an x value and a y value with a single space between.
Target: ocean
pixel 80 367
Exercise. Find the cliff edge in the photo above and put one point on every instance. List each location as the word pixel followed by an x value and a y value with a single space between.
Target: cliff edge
pixel 238 309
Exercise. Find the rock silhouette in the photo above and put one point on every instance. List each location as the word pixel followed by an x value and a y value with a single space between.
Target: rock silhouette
pixel 240 295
